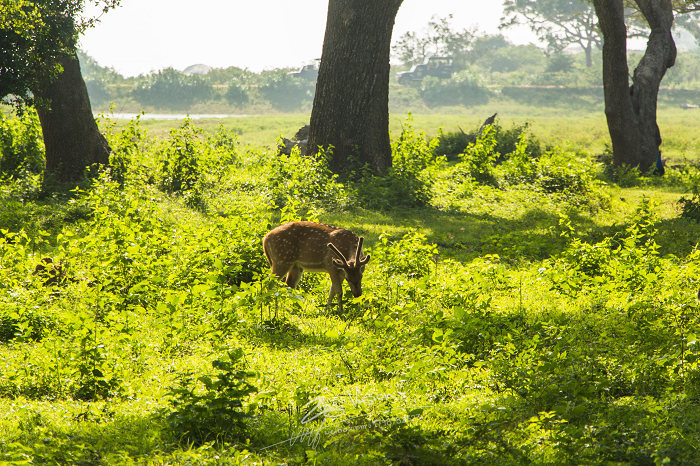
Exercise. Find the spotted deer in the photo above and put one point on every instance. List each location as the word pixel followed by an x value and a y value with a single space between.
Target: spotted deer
pixel 297 246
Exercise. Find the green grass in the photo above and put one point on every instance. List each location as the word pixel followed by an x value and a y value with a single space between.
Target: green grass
pixel 516 323
pixel 680 129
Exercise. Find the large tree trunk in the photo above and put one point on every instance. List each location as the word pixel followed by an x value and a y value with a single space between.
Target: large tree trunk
pixel 351 106
pixel 631 110
pixel 71 136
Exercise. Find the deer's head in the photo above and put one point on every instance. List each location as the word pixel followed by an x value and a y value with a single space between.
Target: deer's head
pixel 353 268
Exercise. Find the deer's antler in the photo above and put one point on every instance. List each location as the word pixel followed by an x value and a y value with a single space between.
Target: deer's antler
pixel 359 260
pixel 344 262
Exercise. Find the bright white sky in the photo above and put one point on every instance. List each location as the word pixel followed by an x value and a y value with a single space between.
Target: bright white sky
pixel 145 35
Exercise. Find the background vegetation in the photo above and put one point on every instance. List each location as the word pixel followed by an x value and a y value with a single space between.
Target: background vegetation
pixel 494 72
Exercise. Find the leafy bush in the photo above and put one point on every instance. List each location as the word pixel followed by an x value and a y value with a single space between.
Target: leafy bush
pixel 690 208
pixel 453 144
pixel 520 167
pixel 306 180
pixel 480 157
pixel 560 171
pixel 408 181
pixel 237 93
pixel 462 89
pixel 126 145
pixel 411 256
pixel 286 92
pixel 560 63
pixel 180 166
pixel 218 413
pixel 507 140
pixel 172 89
pixel 21 145
pixel 513 58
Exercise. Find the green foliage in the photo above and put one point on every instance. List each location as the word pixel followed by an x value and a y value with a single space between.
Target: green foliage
pixel 508 140
pixel 180 171
pixel 437 39
pixel 511 325
pixel 408 181
pixel 21 146
pixel 237 93
pixel 172 89
pixel 514 58
pixel 36 36
pixel 304 179
pixel 464 88
pixel 480 157
pixel 560 63
pixel 411 256
pixel 559 171
pixel 127 146
pixel 453 144
pixel 286 92
pixel 218 412
pixel 690 208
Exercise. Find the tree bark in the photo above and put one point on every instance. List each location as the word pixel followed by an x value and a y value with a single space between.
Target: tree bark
pixel 72 139
pixel 351 105
pixel 631 110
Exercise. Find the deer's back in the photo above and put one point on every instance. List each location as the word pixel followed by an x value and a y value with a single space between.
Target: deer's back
pixel 306 244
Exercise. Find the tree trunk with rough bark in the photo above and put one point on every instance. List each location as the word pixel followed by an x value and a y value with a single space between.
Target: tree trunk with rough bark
pixel 631 109
pixel 72 139
pixel 351 105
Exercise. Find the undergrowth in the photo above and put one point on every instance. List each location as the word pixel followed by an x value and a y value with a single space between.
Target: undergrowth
pixel 519 308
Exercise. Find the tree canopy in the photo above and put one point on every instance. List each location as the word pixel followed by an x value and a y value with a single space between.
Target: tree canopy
pixel 438 39
pixel 559 23
pixel 37 34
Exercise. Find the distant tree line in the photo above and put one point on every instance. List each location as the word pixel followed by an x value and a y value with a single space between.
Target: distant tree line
pixel 170 89
pixel 490 61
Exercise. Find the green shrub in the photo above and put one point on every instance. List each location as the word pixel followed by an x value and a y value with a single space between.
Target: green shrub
pixel 560 171
pixel 21 145
pixel 462 89
pixel 520 167
pixel 408 182
pixel 182 165
pixel 306 180
pixel 126 145
pixel 237 93
pixel 452 144
pixel 411 256
pixel 507 140
pixel 218 412
pixel 172 89
pixel 690 208
pixel 179 169
pixel 286 92
pixel 479 158
pixel 624 176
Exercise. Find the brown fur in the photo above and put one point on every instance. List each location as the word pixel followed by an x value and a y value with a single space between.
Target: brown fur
pixel 295 247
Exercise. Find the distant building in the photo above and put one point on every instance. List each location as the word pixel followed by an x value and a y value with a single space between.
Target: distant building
pixel 197 69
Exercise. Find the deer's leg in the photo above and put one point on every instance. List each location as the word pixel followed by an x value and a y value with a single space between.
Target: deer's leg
pixel 294 275
pixel 336 289
pixel 280 270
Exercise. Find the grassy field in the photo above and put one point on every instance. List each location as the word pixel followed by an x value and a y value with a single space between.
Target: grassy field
pixel 587 131
pixel 530 307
